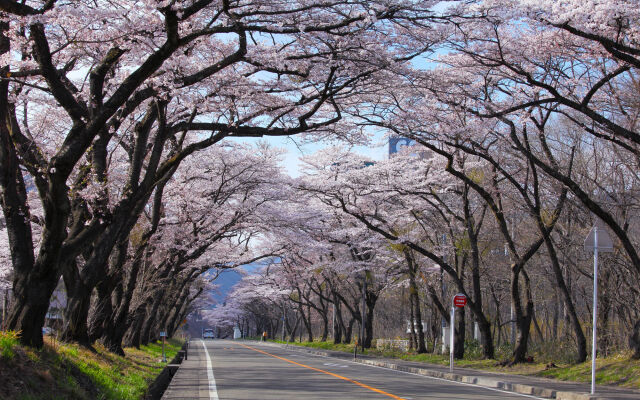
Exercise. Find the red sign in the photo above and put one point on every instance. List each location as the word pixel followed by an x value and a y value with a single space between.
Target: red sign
pixel 460 300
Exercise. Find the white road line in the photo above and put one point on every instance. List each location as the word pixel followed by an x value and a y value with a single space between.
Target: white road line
pixel 213 390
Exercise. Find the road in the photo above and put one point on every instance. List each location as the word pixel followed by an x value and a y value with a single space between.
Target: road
pixel 232 370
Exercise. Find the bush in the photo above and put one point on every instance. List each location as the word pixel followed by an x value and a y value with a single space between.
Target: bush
pixel 562 351
pixel 472 350
pixel 8 340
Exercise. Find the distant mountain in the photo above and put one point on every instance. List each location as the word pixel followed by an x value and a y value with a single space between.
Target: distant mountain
pixel 226 281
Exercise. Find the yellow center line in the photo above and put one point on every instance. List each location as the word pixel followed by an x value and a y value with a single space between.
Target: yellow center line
pixel 325 372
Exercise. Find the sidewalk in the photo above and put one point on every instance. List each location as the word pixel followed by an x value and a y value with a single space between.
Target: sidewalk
pixel 541 387
pixel 190 380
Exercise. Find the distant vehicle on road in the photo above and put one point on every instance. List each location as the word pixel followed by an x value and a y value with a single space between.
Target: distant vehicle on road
pixel 207 334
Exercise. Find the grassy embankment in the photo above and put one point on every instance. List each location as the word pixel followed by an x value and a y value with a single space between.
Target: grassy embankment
pixel 68 371
pixel 619 369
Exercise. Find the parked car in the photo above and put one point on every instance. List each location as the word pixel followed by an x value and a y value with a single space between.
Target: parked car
pixel 207 334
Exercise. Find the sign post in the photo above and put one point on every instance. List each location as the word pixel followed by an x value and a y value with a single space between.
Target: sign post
pixel 459 301
pixel 597 240
pixel 163 335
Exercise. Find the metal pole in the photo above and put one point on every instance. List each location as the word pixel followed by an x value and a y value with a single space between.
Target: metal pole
pixel 451 334
pixel 164 356
pixel 595 309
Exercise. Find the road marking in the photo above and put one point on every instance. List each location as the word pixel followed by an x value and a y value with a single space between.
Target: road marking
pixel 213 390
pixel 335 365
pixel 424 376
pixel 326 372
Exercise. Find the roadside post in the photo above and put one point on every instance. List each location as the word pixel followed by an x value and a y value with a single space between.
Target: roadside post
pixel 458 301
pixel 163 335
pixel 597 240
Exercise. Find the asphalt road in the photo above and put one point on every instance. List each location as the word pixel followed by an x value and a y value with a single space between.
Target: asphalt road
pixel 232 370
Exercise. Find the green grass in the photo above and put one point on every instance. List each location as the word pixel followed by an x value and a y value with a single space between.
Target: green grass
pixel 321 345
pixel 122 378
pixel 8 342
pixel 68 371
pixel 619 370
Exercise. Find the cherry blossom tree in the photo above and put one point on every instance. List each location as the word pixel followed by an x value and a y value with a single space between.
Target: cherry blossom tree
pixel 131 80
pixel 208 220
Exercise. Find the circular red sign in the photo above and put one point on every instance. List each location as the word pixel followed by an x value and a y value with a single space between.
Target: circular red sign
pixel 460 300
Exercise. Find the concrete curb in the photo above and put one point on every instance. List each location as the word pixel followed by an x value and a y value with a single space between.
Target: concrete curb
pixel 484 381
pixel 163 380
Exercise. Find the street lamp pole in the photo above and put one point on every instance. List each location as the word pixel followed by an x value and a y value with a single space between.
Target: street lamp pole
pixel 599 241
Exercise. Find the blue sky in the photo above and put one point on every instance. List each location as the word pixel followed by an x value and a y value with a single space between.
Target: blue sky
pixel 295 148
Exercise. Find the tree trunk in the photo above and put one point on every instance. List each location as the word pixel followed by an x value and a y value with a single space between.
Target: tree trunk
pixel 418 331
pixel 116 326
pixel 325 328
pixel 292 332
pixel 435 327
pixel 581 341
pixel 523 317
pixel 634 341
pixel 102 312
pixel 151 318
pixel 134 332
pixel 486 337
pixel 413 343
pixel 348 332
pixel 338 325
pixel 76 312
pixel 30 304
pixel 34 280
pixel 371 299
pixel 307 324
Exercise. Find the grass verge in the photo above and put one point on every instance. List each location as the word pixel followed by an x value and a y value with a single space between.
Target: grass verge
pixel 618 370
pixel 68 371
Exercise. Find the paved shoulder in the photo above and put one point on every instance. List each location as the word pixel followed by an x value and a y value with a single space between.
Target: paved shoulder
pixel 192 380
